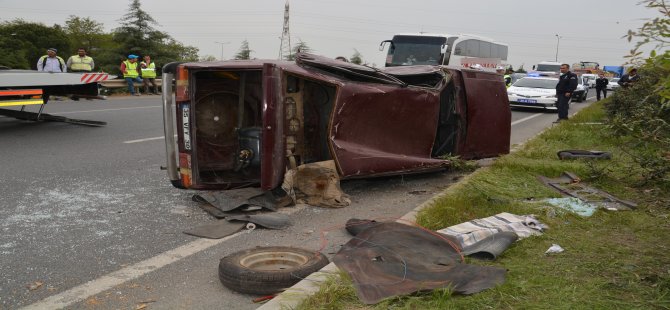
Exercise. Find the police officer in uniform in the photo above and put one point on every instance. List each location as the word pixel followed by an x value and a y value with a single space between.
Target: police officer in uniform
pixel 567 83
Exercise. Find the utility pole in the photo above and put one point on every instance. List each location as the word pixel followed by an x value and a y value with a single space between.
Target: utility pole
pixel 285 47
pixel 558 38
pixel 222 44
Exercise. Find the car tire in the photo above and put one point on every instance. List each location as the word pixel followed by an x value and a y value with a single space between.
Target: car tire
pixel 268 270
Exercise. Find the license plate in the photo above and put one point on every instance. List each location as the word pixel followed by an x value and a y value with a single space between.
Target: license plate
pixel 527 101
pixel 186 126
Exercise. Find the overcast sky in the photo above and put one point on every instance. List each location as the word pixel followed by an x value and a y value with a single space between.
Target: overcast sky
pixel 590 30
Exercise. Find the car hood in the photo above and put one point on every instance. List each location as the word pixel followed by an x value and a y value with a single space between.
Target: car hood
pixel 528 91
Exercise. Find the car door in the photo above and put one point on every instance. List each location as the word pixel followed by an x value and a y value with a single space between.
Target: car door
pixel 379 129
pixel 488 115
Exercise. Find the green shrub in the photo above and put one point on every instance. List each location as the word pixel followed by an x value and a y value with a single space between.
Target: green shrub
pixel 640 116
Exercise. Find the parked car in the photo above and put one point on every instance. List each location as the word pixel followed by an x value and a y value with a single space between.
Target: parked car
pixel 245 123
pixel 533 91
pixel 613 84
pixel 590 79
pixel 582 90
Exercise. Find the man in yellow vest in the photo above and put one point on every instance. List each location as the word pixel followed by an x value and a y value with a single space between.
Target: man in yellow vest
pixel 51 63
pixel 149 74
pixel 80 62
pixel 131 72
pixel 508 77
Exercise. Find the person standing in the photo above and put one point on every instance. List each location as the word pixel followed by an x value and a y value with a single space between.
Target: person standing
pixel 567 83
pixel 131 73
pixel 51 62
pixel 629 79
pixel 508 77
pixel 601 85
pixel 149 74
pixel 80 62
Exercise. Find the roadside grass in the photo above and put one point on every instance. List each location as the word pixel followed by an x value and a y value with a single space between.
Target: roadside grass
pixel 612 260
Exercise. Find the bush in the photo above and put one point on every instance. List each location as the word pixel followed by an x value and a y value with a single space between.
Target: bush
pixel 640 115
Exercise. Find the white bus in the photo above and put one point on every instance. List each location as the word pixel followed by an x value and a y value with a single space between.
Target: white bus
pixel 444 49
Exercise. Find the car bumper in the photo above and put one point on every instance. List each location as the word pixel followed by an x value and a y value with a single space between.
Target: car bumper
pixel 535 102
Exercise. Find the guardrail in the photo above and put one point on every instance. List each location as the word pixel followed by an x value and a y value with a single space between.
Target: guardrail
pixel 119 83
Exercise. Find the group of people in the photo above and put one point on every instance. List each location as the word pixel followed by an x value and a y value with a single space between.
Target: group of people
pixel 144 72
pixel 567 83
pixel 76 63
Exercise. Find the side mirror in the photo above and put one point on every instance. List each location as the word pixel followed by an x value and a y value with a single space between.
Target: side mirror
pixel 381 45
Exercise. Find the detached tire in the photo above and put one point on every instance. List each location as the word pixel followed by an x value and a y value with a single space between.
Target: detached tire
pixel 268 270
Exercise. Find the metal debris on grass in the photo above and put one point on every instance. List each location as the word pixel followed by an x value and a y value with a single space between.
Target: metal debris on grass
pixel 570 185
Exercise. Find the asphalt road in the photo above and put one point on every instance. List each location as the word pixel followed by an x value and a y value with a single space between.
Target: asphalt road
pixel 89 220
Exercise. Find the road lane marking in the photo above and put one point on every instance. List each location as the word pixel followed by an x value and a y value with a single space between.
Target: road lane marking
pixel 106 110
pixel 526 118
pixel 146 139
pixel 82 292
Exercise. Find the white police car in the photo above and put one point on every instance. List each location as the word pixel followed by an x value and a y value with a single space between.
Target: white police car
pixel 533 91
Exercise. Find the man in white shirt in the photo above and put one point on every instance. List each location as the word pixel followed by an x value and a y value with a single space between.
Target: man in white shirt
pixel 51 63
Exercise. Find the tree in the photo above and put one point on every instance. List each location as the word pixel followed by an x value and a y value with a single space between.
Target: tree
pixel 138 35
pixel 244 52
pixel 23 43
pixel 656 31
pixel 356 57
pixel 300 47
pixel 84 32
pixel 208 58
pixel 640 113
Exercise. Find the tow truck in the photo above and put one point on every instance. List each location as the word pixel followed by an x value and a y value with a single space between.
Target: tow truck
pixel 26 87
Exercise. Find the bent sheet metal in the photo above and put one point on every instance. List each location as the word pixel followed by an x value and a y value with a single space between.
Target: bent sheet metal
pixel 393 259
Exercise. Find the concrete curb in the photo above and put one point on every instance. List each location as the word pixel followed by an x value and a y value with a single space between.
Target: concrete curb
pixel 290 298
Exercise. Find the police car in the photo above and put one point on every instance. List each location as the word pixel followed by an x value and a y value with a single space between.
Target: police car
pixel 534 91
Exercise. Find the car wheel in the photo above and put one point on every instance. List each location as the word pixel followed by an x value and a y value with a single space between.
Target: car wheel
pixel 268 270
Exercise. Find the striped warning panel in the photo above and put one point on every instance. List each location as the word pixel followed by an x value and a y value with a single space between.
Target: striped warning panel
pixel 94 77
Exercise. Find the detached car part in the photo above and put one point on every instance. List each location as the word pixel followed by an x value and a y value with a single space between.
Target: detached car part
pixel 573 154
pixel 268 270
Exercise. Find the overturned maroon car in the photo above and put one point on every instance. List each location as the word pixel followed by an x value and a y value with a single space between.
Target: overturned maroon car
pixel 245 123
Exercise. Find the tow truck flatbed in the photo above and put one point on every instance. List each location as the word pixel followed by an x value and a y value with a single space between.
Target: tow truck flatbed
pixel 26 87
